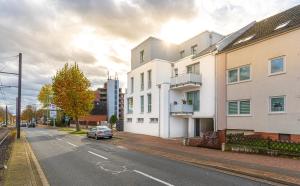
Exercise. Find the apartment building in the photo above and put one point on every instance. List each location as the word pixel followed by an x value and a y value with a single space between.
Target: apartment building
pixel 171 88
pixel 258 79
pixel 109 100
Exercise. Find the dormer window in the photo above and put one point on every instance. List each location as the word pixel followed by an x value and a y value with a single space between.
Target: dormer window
pixel 244 39
pixel 194 49
pixel 282 25
pixel 182 54
pixel 142 56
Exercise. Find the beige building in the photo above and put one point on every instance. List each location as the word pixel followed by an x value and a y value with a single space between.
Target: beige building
pixel 258 79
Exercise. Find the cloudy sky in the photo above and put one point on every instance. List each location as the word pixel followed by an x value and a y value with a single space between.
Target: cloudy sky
pixel 99 34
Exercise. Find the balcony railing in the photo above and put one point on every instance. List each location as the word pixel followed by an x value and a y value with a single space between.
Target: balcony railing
pixel 186 80
pixel 181 109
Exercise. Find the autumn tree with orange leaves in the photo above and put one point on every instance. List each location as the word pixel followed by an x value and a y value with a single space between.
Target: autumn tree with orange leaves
pixel 71 92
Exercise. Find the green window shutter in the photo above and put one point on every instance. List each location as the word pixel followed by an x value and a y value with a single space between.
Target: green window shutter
pixel 232 108
pixel 245 107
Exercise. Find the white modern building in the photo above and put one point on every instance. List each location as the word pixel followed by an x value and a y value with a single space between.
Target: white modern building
pixel 171 88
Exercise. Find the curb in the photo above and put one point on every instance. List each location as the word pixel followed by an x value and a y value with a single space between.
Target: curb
pixel 37 165
pixel 262 175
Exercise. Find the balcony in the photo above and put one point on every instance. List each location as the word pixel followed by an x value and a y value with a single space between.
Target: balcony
pixel 186 81
pixel 181 109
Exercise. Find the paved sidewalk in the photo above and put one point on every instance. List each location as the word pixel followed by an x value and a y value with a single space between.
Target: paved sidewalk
pixel 21 168
pixel 277 169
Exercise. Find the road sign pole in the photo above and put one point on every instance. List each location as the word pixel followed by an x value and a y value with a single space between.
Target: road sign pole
pixel 19 96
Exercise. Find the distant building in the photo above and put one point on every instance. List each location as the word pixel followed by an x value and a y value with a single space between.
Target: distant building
pixel 109 100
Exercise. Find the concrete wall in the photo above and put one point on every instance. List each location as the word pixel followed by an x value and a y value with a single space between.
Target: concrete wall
pixel 262 85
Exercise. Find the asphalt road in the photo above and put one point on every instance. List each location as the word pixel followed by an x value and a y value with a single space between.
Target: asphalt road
pixel 72 160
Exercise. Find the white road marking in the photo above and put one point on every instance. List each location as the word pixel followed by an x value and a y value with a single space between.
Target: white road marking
pixel 72 144
pixel 153 178
pixel 122 147
pixel 59 139
pixel 98 155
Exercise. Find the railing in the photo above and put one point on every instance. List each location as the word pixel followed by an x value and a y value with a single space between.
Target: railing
pixel 183 79
pixel 181 108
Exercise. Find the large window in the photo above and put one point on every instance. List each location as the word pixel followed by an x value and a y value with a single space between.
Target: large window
pixel 142 81
pixel 142 56
pixel 129 105
pixel 193 98
pixel 277 104
pixel 149 102
pixel 142 104
pixel 239 108
pixel 193 69
pixel 277 66
pixel 149 79
pixel 239 74
pixel 132 84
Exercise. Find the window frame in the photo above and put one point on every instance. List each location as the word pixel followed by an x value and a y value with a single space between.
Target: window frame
pixel 149 105
pixel 149 79
pixel 194 49
pixel 131 85
pixel 238 108
pixel 270 66
pixel 130 98
pixel 142 106
pixel 284 106
pixel 142 56
pixel 238 74
pixel 182 54
pixel 142 78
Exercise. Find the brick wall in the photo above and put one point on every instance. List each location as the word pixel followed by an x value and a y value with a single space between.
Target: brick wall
pixel 265 135
pixel 222 136
pixel 295 138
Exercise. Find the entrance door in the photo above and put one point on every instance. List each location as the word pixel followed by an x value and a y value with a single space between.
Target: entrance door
pixel 197 127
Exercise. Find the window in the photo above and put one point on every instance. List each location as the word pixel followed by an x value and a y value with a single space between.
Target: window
pixel 193 69
pixel 142 81
pixel 129 105
pixel 149 102
pixel 194 49
pixel 284 137
pixel 142 56
pixel 277 66
pixel 129 120
pixel 149 78
pixel 140 120
pixel 153 120
pixel 277 104
pixel 142 104
pixel 244 39
pixel 239 108
pixel 239 74
pixel 176 72
pixel 193 98
pixel 182 54
pixel 282 25
pixel 132 84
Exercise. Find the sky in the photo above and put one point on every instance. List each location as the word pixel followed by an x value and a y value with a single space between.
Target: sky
pixel 99 34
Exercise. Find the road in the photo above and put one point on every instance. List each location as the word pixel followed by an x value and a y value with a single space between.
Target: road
pixel 73 160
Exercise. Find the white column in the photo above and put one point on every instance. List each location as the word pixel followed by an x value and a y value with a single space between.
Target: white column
pixel 191 127
pixel 164 110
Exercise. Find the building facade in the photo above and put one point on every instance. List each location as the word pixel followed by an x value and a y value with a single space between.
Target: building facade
pixel 259 79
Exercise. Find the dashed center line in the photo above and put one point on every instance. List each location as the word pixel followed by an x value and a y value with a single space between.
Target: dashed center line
pixel 72 144
pixel 59 139
pixel 98 155
pixel 153 178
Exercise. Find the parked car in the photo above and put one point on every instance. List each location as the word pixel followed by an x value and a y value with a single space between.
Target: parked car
pixel 23 124
pixel 100 132
pixel 3 125
pixel 31 125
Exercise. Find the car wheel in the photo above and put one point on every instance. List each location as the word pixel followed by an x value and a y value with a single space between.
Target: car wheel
pixel 110 137
pixel 96 137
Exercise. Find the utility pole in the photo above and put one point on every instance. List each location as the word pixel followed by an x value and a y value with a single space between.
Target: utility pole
pixel 6 115
pixel 19 96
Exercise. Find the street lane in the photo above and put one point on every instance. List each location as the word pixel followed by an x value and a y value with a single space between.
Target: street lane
pixel 73 160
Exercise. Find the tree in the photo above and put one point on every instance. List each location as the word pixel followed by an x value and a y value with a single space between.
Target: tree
pixel 71 92
pixel 28 113
pixel 45 95
pixel 113 120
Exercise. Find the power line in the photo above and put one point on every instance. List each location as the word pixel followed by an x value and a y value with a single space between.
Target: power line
pixel 9 57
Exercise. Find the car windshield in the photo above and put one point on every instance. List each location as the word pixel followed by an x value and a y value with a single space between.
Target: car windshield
pixel 102 127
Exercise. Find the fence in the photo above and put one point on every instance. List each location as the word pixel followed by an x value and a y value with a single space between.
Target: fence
pixel 5 147
pixel 256 144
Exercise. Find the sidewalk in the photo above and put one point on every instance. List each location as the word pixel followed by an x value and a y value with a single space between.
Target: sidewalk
pixel 276 169
pixel 23 168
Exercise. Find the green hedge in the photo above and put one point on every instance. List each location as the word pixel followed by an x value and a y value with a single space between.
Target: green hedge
pixel 254 141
